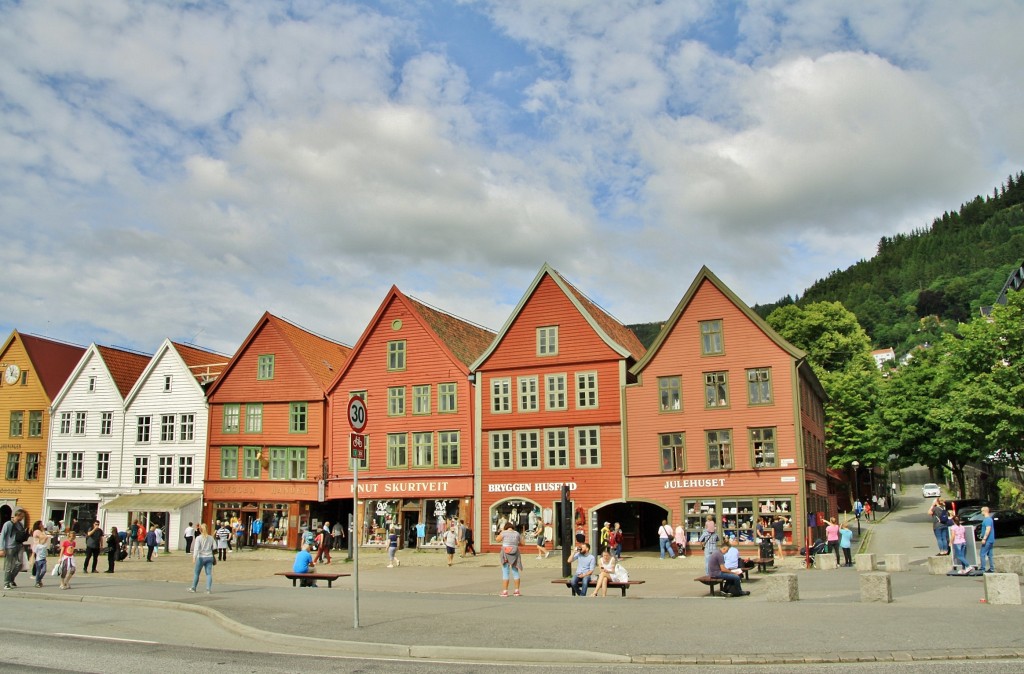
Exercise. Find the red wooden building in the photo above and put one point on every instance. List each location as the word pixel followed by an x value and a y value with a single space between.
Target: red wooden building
pixel 549 410
pixel 411 368
pixel 268 431
pixel 725 419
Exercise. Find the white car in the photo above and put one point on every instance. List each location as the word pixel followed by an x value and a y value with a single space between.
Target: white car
pixel 931 490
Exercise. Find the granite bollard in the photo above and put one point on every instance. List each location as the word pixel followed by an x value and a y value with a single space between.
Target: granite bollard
pixel 1002 588
pixel 781 587
pixel 876 587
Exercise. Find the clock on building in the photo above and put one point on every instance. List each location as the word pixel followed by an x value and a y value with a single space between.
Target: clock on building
pixel 12 373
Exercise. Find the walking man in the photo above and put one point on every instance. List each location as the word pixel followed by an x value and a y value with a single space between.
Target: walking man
pixel 12 537
pixel 988 541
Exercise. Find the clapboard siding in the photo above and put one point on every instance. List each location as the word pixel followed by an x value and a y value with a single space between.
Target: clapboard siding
pixel 291 382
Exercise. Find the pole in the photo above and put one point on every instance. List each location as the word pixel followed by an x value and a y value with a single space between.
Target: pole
pixel 355 543
pixel 567 532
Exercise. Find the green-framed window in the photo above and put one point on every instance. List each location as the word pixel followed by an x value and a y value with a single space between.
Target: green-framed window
pixel 447 397
pixel 265 367
pixel 673 452
pixel 298 415
pixel 423 450
pixel 449 449
pixel 254 417
pixel 251 463
pixel 396 355
pixel 231 415
pixel 398 450
pixel 396 401
pixel 711 341
pixel 421 399
pixel 229 462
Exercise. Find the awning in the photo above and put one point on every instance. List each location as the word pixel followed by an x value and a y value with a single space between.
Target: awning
pixel 151 502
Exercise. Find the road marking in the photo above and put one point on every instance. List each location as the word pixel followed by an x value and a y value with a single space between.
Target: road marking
pixel 99 638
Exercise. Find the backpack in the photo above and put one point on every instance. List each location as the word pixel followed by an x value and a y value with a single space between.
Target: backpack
pixel 20 533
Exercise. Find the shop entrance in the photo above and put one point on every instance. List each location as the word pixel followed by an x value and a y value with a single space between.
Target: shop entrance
pixel 409 522
pixel 639 520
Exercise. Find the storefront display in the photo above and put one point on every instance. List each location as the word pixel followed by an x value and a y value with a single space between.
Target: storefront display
pixel 524 516
pixel 734 516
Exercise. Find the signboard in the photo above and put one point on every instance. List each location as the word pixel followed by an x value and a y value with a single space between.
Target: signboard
pixel 357 414
pixel 358 443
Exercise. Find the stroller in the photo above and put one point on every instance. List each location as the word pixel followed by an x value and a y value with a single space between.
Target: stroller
pixel 818 547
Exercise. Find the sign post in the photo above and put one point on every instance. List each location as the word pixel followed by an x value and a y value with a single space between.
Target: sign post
pixel 357 421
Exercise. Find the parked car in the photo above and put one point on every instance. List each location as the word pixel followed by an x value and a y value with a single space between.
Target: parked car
pixel 931 490
pixel 1007 523
pixel 965 507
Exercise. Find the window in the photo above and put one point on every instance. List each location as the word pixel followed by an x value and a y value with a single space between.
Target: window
pixel 79 423
pixel 398 450
pixel 423 450
pixel 500 395
pixel 554 392
pixel 547 341
pixel 364 462
pixel 142 425
pixel 670 394
pixel 265 366
pixel 501 450
pixel 141 469
pixel 166 428
pixel 106 423
pixel 759 386
pixel 719 450
pixel 527 394
pixel 229 462
pixel 278 463
pixel 296 463
pixel 254 417
pixel 60 465
pixel 187 432
pixel 711 337
pixel 103 465
pixel 448 447
pixel 528 450
pixel 396 355
pixel 17 424
pixel 32 466
pixel 716 389
pixel 165 470
pixel 167 383
pixel 65 423
pixel 447 398
pixel 673 452
pixel 77 465
pixel 762 445
pixel 13 466
pixel 35 424
pixel 421 399
pixel 251 463
pixel 396 401
pixel 92 384
pixel 299 417
pixel 586 390
pixel 556 447
pixel 588 446
pixel 231 414
pixel 184 470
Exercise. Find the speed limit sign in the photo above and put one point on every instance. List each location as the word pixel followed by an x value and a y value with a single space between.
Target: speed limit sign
pixel 357 414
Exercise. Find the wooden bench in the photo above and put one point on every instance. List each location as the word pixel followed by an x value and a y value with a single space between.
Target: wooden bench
pixel 612 584
pixel 329 577
pixel 763 563
pixel 712 583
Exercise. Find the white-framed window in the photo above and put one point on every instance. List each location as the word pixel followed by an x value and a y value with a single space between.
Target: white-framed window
pixel 586 390
pixel 447 398
pixel 60 465
pixel 92 385
pixel 711 342
pixel 423 450
pixel 265 367
pixel 554 392
pixel 528 450
pixel 187 432
pixel 77 465
pixel 165 470
pixel 759 386
pixel 141 470
pixel 254 417
pixel 556 447
pixel 232 411
pixel 719 444
pixel 396 401
pixel 716 389
pixel 528 394
pixel 448 449
pixel 106 423
pixel 501 395
pixel 673 452
pixel 166 428
pixel 167 383
pixel 501 450
pixel 588 446
pixel 251 463
pixel 65 423
pixel 547 340
pixel 184 470
pixel 396 355
pixel 79 423
pixel 398 450
pixel 762 447
pixel 103 465
pixel 143 426
pixel 421 399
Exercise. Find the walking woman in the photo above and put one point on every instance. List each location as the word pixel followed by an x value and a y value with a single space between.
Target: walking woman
pixel 113 545
pixel 511 561
pixel 40 545
pixel 202 553
pixel 66 565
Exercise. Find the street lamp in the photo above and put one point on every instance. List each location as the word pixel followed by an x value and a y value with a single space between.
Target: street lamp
pixel 856 488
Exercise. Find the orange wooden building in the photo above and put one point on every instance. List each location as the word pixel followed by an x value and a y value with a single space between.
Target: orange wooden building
pixel 725 419
pixel 411 368
pixel 549 410
pixel 268 431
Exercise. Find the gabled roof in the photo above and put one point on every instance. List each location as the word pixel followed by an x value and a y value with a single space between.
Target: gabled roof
pixel 198 357
pixel 462 340
pixel 204 365
pixel 53 362
pixel 617 336
pixel 125 367
pixel 321 357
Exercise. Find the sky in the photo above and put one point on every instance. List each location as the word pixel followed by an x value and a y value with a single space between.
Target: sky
pixel 175 169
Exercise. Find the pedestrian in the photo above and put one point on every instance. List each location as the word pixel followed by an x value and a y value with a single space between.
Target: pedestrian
pixel 605 571
pixel 539 533
pixel 239 534
pixel 393 549
pixel 66 566
pixel 93 542
pixel 858 508
pixel 223 536
pixel 511 560
pixel 324 544
pixel 150 544
pixel 710 540
pixel 665 534
pixel 605 535
pixel 40 547
pixel 958 539
pixel 940 525
pixel 338 534
pixel 988 540
pixel 615 540
pixel 868 512
pixel 190 534
pixel 159 532
pixel 846 543
pixel 832 537
pixel 585 564
pixel 469 541
pixel 133 540
pixel 451 541
pixel 12 541
pixel 202 556
pixel 257 529
pixel 462 529
pixel 113 545
pixel 779 532
pixel 140 540
pixel 679 540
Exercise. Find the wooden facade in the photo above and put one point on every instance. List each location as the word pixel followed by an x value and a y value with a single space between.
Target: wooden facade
pixel 268 431
pixel 411 368
pixel 726 420
pixel 549 412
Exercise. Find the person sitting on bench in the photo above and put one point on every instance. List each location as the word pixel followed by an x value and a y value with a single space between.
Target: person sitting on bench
pixel 584 570
pixel 732 583
pixel 304 564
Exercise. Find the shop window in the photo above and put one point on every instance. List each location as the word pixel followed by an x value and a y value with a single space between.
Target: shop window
pixel 380 518
pixel 697 513
pixel 769 508
pixel 274 517
pixel 438 516
pixel 738 519
pixel 523 515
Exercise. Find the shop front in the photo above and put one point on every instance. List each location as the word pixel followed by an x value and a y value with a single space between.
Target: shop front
pixel 525 505
pixel 412 507
pixel 170 511
pixel 272 515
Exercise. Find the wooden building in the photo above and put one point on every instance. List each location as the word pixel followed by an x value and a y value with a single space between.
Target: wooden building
pixel 267 449
pixel 725 419
pixel 411 368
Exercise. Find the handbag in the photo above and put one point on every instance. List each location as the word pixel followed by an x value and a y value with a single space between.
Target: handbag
pixel 24 560
pixel 508 549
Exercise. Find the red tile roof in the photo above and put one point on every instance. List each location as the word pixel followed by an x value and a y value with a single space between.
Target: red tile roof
pixel 611 326
pixel 322 357
pixel 206 366
pixel 466 340
pixel 53 361
pixel 125 366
